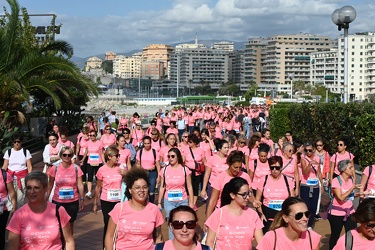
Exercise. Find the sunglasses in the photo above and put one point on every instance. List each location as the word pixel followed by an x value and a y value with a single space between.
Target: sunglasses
pixel 171 156
pixel 309 150
pixel 340 144
pixel 126 133
pixel 319 145
pixel 290 150
pixel 16 142
pixel 107 129
pixel 242 142
pixel 275 168
pixel 299 215
pixel 190 224
pixel 245 195
pixel 92 135
pixel 117 155
pixel 67 155
pixel 153 134
pixel 370 225
pixel 185 136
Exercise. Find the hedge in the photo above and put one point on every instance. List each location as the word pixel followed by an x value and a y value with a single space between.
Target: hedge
pixel 329 121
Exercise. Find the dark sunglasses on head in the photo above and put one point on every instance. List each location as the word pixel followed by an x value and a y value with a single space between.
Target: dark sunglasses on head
pixel 275 167
pixel 171 156
pixel 299 215
pixel 190 224
pixel 16 142
pixel 67 155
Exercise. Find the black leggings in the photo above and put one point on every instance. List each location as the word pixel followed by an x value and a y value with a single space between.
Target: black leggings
pixel 336 223
pixel 270 214
pixel 106 208
pixel 91 171
pixel 195 181
pixel 3 222
pixel 83 167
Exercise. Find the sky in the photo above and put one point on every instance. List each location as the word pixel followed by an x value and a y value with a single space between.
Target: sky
pixel 98 26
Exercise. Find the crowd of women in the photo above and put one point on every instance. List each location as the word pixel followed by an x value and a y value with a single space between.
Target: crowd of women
pixel 257 193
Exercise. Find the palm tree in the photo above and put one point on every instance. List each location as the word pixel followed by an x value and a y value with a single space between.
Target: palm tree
pixel 28 69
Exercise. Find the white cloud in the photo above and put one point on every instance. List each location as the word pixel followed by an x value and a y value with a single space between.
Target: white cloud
pixel 221 19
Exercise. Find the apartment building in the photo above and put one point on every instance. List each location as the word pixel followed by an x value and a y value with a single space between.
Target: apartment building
pixel 327 68
pixel 254 58
pixel 93 63
pixel 155 61
pixel 127 67
pixel 109 56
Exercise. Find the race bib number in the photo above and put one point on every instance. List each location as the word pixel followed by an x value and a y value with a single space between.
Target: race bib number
pixel 350 197
pixel 312 182
pixel 66 193
pixel 114 194
pixel 94 159
pixel 174 195
pixel 276 205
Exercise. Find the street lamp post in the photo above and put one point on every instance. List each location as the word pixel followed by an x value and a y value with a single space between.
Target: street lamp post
pixel 290 76
pixel 342 18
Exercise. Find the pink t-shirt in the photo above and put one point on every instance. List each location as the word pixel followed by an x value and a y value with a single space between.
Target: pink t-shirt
pixel 269 142
pixel 172 131
pixel 206 147
pixel 38 230
pixel 222 179
pixel 3 191
pixel 174 179
pixel 82 141
pixel 283 242
pixel 312 177
pixel 67 143
pixel 157 145
pixel 199 154
pixel 166 121
pixel 108 140
pixel 164 153
pixel 111 183
pixel 148 160
pixel 339 157
pixel 342 208
pixel 94 150
pixel 217 165
pixel 137 135
pixel 289 166
pixel 134 228
pixel 169 245
pixel 275 191
pixel 371 179
pixel 261 170
pixel 359 243
pixel 236 232
pixel 125 154
pixel 66 183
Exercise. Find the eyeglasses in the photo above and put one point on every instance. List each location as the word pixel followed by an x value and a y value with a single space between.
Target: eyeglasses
pixel 309 150
pixel 340 144
pixel 275 168
pixel 16 142
pixel 290 150
pixel 117 155
pixel 107 129
pixel 126 133
pixel 67 155
pixel 299 215
pixel 92 135
pixel 242 142
pixel 319 145
pixel 138 188
pixel 370 225
pixel 245 195
pixel 190 224
pixel 171 156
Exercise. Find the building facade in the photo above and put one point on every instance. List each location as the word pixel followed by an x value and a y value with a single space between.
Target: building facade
pixel 155 61
pixel 93 63
pixel 127 67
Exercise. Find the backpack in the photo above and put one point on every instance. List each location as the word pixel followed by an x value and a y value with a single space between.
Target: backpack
pixel 165 170
pixel 285 179
pixel 10 151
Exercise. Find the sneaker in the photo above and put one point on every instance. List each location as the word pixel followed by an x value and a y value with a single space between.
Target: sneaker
pixel 89 195
pixel 195 208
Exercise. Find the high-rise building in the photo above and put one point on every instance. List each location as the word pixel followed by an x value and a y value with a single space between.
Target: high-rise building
pixel 155 61
pixel 127 67
pixel 254 60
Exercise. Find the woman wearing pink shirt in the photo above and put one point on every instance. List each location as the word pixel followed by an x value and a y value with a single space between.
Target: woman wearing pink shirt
pixel 184 145
pixel 82 140
pixel 137 135
pixel 241 146
pixel 363 237
pixel 234 162
pixel 290 167
pixel 289 229
pixel 107 138
pixel 108 185
pixel 234 225
pixel 156 139
pixel 171 143
pixel 341 154
pixel 237 126
pixel 343 187
pixel 173 130
pixel 266 138
pixel 253 147
pixel 51 151
pixel 279 149
pixel 137 221
pixel 63 140
pixel 215 165
pixel 207 143
pixel 67 178
pixel 191 122
pixel 311 180
pixel 193 156
pixel 273 190
pixel 95 157
pixel 125 154
pixel 259 167
pixel 35 225
pixel 166 122
pixel 175 184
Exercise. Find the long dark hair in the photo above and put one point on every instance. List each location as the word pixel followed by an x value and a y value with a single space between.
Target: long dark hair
pixel 233 186
pixel 183 209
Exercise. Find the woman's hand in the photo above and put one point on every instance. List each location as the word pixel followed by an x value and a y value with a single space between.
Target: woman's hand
pixel 204 194
pixel 263 218
pixel 81 204
pixel 95 208
pixel 257 203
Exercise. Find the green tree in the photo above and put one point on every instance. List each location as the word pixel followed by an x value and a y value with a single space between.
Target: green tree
pixel 251 92
pixel 29 70
pixel 107 66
